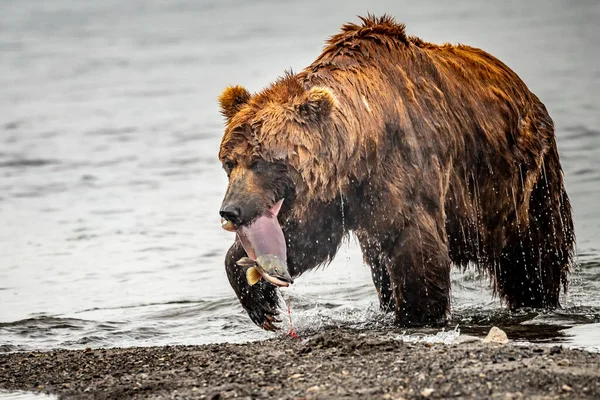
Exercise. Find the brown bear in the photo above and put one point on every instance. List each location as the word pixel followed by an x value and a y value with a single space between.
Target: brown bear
pixel 432 155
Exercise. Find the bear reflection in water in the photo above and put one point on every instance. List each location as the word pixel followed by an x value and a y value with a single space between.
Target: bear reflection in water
pixel 433 155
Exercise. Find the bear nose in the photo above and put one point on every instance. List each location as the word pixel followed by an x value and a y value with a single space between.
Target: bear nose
pixel 231 213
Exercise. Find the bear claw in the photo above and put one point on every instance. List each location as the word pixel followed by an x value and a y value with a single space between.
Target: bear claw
pixel 269 325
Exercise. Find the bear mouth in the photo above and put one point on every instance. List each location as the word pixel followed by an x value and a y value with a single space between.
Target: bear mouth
pixel 264 235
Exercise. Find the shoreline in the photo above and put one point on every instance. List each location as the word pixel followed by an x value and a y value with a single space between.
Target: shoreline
pixel 336 363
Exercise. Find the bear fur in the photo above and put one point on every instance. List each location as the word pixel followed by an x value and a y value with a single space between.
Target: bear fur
pixel 432 155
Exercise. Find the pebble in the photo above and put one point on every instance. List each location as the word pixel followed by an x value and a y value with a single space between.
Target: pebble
pixel 427 392
pixel 496 335
pixel 555 349
pixel 563 363
pixel 313 389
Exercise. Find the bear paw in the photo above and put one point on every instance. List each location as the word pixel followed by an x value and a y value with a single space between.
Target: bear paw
pixel 263 309
pixel 265 317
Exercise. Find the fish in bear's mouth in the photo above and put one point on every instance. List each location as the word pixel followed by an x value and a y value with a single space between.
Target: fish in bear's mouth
pixel 263 236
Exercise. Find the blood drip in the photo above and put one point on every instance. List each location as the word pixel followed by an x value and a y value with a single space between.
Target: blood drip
pixel 292 333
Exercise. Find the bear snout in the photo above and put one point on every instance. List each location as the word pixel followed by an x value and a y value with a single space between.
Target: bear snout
pixel 232 213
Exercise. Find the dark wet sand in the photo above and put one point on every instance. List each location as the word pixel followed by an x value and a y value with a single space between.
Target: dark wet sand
pixel 332 364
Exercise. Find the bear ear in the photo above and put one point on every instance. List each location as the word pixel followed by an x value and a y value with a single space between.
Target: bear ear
pixel 316 104
pixel 232 99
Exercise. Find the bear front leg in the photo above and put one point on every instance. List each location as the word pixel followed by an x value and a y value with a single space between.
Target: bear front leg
pixel 260 301
pixel 373 258
pixel 418 265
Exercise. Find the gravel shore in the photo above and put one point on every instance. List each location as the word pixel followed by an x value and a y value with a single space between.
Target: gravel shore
pixel 332 364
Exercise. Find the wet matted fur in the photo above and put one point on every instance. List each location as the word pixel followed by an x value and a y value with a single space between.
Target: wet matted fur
pixel 431 154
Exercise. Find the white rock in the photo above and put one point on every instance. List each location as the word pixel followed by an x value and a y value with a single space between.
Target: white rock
pixel 496 335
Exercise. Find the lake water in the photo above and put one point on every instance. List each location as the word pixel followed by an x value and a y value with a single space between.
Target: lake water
pixel 110 185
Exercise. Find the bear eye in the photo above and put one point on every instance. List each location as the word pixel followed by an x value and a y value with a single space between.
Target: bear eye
pixel 228 167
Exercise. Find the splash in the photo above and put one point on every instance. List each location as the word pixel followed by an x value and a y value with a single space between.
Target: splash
pixel 445 337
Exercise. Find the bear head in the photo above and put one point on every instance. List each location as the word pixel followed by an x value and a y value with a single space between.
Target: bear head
pixel 278 146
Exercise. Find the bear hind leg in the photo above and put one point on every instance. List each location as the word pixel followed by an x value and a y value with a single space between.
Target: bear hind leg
pixel 534 264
